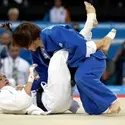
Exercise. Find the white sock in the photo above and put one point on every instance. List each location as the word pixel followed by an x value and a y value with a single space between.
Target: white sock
pixel 74 107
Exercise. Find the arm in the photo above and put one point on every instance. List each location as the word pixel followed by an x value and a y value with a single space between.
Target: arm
pixel 13 100
pixel 31 78
pixel 41 69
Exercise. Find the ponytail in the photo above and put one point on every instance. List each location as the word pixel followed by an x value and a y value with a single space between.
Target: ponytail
pixel 7 26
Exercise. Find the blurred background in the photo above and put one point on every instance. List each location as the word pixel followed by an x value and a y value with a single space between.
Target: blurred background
pixel 110 14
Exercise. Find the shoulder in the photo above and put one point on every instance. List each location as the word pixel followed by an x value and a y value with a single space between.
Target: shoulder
pixel 6 88
pixel 52 28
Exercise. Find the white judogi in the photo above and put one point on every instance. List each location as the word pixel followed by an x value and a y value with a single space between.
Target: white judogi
pixel 17 102
pixel 12 100
pixel 57 96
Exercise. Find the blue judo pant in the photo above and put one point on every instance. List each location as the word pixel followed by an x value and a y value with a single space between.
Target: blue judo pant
pixel 95 96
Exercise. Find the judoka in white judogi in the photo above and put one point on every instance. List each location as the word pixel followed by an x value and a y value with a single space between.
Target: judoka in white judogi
pixel 57 96
pixel 13 101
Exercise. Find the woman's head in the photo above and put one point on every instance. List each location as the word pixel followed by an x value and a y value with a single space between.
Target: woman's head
pixel 25 35
pixel 3 81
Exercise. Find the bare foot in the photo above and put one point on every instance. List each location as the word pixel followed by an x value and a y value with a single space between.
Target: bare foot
pixel 108 40
pixel 90 9
pixel 114 107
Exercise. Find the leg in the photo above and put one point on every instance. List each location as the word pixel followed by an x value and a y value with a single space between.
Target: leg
pixel 57 94
pixel 95 97
pixel 91 21
pixel 102 44
pixel 89 25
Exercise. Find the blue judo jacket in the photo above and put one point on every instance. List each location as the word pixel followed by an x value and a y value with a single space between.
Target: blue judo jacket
pixel 58 37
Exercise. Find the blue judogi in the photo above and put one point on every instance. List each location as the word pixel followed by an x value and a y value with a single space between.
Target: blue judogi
pixel 42 60
pixel 95 97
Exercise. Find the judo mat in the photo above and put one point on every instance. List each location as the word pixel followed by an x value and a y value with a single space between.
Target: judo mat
pixel 81 118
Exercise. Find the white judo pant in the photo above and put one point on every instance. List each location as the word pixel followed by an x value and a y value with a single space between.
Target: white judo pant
pixel 57 96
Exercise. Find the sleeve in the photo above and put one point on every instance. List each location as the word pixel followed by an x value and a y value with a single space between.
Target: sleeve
pixel 42 71
pixel 68 38
pixel 12 102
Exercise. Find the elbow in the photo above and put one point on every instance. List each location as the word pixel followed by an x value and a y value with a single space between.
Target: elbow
pixel 23 100
pixel 23 105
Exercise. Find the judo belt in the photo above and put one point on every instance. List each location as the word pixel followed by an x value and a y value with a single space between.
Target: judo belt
pixel 39 97
pixel 72 72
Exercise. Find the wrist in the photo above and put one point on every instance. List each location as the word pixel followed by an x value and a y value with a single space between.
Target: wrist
pixel 30 78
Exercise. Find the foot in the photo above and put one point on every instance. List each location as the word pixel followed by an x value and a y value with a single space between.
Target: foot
pixel 74 107
pixel 91 10
pixel 108 40
pixel 114 107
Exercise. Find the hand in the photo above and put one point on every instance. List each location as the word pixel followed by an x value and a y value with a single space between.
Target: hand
pixel 19 87
pixel 31 76
pixel 36 75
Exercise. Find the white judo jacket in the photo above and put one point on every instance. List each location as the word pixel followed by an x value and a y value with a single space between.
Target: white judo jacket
pixel 17 102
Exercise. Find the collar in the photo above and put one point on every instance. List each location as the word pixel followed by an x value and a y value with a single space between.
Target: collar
pixel 43 37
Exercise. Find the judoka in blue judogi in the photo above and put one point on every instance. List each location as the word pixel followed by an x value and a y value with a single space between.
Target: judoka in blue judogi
pixel 95 96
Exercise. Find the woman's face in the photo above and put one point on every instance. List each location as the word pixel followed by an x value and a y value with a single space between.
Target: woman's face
pixel 32 47
pixel 35 44
pixel 3 81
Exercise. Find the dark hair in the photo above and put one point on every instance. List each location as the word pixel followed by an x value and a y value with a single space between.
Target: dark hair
pixel 7 26
pixel 24 35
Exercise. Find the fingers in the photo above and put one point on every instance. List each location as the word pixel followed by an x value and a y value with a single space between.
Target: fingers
pixel 31 73
pixel 36 75
pixel 19 87
pixel 32 67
